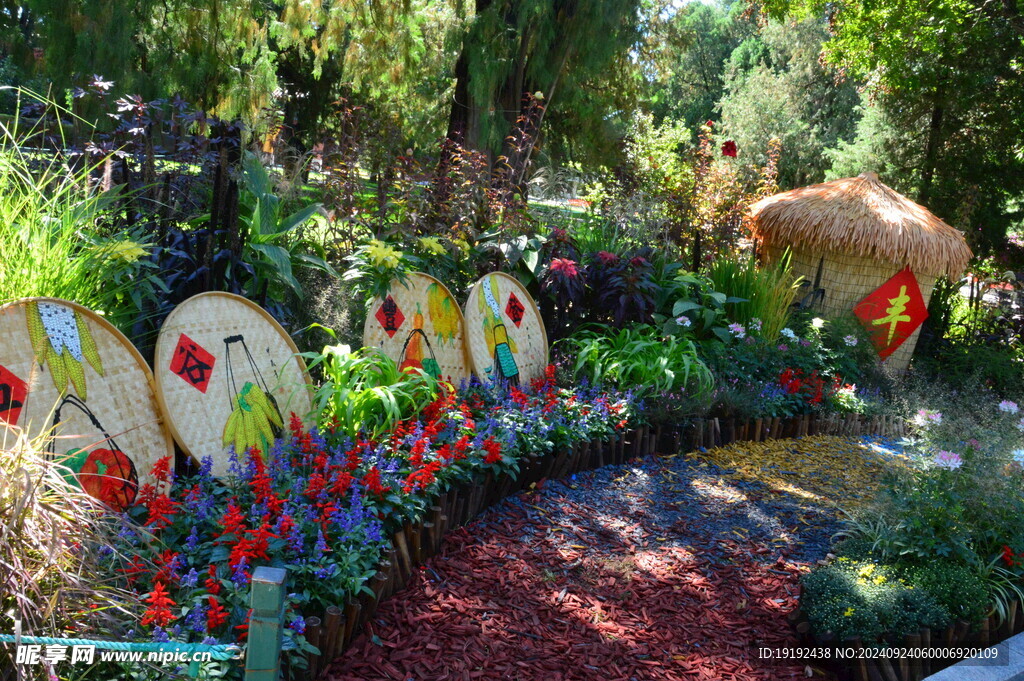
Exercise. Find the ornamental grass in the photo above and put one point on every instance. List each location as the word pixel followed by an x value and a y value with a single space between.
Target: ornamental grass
pixel 55 542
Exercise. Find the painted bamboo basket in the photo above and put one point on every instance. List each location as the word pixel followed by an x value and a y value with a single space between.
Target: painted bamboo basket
pixel 419 325
pixel 849 237
pixel 228 377
pixel 505 334
pixel 67 372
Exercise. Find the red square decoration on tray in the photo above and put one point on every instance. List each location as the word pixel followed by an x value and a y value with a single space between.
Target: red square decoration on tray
pixel 390 316
pixel 892 312
pixel 13 392
pixel 514 309
pixel 193 363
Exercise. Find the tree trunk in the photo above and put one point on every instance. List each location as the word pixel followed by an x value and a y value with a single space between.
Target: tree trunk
pixel 931 151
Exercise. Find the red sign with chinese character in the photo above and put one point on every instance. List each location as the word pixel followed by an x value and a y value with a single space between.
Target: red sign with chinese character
pixel 13 392
pixel 390 316
pixel 892 312
pixel 193 363
pixel 514 309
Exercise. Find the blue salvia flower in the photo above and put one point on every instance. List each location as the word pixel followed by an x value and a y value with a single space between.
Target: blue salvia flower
pixel 206 469
pixel 196 617
pixel 234 467
pixel 160 636
pixel 298 625
pixel 176 565
pixel 239 576
pixel 296 539
pixel 128 535
pixel 278 464
pixel 192 541
pixel 321 545
pixel 190 579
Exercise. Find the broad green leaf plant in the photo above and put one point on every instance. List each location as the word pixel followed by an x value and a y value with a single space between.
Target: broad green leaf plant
pixel 275 246
pixel 365 392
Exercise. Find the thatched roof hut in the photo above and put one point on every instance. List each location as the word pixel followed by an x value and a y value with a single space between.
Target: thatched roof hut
pixel 847 237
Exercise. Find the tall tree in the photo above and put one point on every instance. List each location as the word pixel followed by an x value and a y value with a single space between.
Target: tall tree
pixel 777 88
pixel 697 42
pixel 949 76
pixel 560 52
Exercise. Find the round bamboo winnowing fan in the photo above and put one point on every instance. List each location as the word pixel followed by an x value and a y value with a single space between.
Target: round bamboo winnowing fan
pixel 505 334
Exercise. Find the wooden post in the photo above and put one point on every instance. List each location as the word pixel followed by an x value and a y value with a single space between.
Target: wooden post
pixel 313 636
pixel 266 598
pixel 333 622
pixel 404 557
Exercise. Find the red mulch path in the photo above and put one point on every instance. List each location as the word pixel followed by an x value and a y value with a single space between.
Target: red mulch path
pixel 502 603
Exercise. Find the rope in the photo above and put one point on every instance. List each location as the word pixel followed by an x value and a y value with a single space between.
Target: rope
pixel 217 652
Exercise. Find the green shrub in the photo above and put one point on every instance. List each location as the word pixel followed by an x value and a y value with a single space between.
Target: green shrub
pixel 958 588
pixel 862 598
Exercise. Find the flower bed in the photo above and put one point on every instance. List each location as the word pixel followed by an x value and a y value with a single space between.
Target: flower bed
pixel 351 519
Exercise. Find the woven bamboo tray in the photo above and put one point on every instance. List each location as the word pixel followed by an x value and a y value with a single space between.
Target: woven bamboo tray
pixel 65 370
pixel 419 324
pixel 498 305
pixel 212 348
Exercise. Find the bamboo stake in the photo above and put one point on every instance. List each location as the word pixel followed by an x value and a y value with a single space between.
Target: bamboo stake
pixel 332 621
pixel 404 559
pixel 313 636
pixel 353 610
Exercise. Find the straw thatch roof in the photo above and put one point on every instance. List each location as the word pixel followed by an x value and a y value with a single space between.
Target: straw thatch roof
pixel 862 216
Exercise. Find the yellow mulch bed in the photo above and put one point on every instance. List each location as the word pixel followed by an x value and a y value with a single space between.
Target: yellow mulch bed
pixel 844 472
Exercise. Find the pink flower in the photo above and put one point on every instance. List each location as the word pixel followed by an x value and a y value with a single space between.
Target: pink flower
pixel 948 460
pixel 565 267
pixel 607 258
pixel 729 149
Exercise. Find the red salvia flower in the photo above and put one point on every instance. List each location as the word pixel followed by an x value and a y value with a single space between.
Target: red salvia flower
pixel 161 509
pixel 136 566
pixel 165 562
pixel 373 483
pixel 212 584
pixel 216 615
pixel 341 483
pixel 461 446
pixel 243 628
pixel 295 424
pixel 493 449
pixel 233 521
pixel 160 604
pixel 162 469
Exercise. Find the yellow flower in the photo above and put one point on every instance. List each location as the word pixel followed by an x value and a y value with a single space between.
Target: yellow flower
pixel 461 243
pixel 431 245
pixel 849 611
pixel 866 571
pixel 382 255
pixel 879 579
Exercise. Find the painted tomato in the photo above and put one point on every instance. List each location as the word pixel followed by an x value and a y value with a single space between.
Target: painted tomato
pixel 109 475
